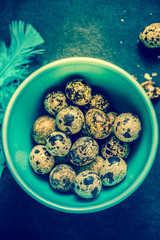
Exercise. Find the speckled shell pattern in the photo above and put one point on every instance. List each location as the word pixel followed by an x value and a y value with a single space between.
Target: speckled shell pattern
pixel 70 120
pixel 113 171
pixel 54 102
pixel 83 151
pixel 150 36
pixel 98 124
pixel 151 89
pixel 41 160
pixel 94 166
pixel 62 177
pixel 99 101
pixel 42 128
pixel 114 147
pixel 58 144
pixel 112 116
pixel 87 184
pixel 127 127
pixel 78 91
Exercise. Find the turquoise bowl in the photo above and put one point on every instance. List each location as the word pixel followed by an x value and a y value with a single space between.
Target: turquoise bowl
pixel 26 105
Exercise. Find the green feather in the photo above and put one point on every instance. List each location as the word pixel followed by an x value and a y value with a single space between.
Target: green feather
pixel 13 61
pixel 20 52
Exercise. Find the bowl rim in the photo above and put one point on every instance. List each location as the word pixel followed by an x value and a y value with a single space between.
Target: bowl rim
pixel 132 188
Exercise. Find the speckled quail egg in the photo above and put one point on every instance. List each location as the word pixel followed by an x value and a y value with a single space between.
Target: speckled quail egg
pixel 150 36
pixel 54 102
pixel 70 120
pixel 98 124
pixel 151 89
pixel 83 151
pixel 41 160
pixel 94 166
pixel 127 127
pixel 58 144
pixel 42 128
pixel 62 177
pixel 112 116
pixel 114 147
pixel 78 91
pixel 99 101
pixel 113 171
pixel 87 184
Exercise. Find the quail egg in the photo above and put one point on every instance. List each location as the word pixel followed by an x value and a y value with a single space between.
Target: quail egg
pixel 62 177
pixel 127 127
pixel 87 184
pixel 42 128
pixel 41 160
pixel 114 147
pixel 54 102
pixel 70 120
pixel 99 101
pixel 98 124
pixel 112 116
pixel 113 171
pixel 83 151
pixel 94 166
pixel 58 144
pixel 78 91
pixel 150 36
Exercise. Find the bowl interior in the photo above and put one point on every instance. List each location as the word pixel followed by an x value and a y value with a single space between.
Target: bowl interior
pixel 26 105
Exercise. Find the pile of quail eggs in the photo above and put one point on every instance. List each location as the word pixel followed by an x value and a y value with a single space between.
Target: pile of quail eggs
pixel 81 143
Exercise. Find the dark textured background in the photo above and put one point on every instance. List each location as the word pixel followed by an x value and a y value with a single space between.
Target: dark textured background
pixel 105 29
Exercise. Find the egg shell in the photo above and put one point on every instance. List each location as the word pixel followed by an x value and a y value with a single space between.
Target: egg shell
pixel 99 101
pixel 42 128
pixel 70 120
pixel 58 144
pixel 87 184
pixel 98 124
pixel 150 36
pixel 151 89
pixel 112 116
pixel 113 171
pixel 94 166
pixel 62 178
pixel 78 91
pixel 114 147
pixel 83 151
pixel 41 160
pixel 54 102
pixel 127 127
